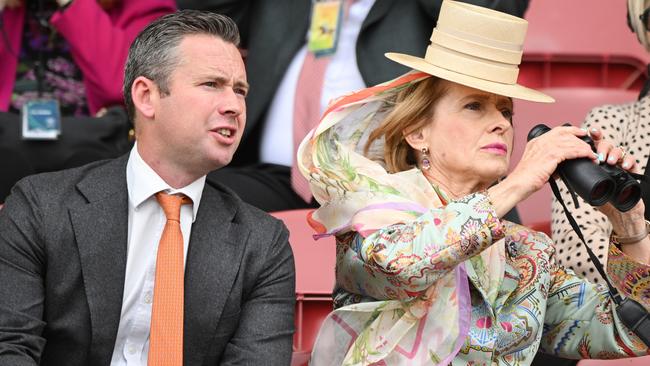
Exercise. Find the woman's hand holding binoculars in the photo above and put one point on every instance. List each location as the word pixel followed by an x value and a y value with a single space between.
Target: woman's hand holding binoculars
pixel 538 164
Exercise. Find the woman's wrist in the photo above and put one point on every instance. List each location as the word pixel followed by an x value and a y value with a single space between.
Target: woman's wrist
pixel 504 196
pixel 632 238
pixel 628 225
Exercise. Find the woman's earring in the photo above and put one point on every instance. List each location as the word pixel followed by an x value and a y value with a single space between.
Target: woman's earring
pixel 425 163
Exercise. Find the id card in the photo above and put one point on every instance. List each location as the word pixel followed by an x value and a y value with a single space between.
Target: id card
pixel 41 119
pixel 326 19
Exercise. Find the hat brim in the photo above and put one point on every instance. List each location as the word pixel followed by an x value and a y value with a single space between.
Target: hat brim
pixel 508 90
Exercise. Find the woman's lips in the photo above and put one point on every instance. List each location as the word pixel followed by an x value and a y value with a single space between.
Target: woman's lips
pixel 496 148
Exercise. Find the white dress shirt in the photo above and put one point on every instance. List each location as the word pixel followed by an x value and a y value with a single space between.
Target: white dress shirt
pixel 342 76
pixel 146 223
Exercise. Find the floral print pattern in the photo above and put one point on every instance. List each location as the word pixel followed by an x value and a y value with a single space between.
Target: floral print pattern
pixel 62 79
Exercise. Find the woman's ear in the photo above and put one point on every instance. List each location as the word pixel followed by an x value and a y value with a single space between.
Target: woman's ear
pixel 417 139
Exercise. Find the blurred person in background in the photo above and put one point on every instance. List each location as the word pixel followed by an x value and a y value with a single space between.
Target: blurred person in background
pixel 628 127
pixel 71 53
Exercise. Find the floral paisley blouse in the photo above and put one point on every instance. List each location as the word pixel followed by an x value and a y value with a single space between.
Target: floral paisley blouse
pixel 421 280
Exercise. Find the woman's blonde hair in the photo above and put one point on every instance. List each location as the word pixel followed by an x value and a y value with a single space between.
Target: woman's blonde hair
pixel 413 109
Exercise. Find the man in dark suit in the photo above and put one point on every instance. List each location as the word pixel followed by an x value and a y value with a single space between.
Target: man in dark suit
pixel 80 259
pixel 274 36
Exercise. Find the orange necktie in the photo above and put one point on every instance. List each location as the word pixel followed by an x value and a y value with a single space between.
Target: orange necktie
pixel 166 337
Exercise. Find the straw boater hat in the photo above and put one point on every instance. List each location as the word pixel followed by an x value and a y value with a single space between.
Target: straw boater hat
pixel 477 47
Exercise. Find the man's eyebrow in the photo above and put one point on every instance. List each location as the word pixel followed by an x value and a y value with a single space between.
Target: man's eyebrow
pixel 242 84
pixel 219 79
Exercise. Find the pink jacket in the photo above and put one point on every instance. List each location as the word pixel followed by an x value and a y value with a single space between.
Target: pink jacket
pixel 99 42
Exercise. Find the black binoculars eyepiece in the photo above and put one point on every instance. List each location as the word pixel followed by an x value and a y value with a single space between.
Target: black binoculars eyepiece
pixel 596 184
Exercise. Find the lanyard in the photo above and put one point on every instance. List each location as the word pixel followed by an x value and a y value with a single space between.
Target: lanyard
pixel 40 62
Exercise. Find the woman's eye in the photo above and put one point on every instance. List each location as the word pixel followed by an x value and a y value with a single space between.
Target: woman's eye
pixel 210 84
pixel 474 106
pixel 507 114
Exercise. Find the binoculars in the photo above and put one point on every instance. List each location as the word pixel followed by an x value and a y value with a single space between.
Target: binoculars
pixel 596 184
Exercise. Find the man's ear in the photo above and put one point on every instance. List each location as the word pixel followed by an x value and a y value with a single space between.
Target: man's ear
pixel 145 95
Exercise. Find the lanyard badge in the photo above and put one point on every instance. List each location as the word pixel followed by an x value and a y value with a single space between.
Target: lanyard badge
pixel 41 119
pixel 325 26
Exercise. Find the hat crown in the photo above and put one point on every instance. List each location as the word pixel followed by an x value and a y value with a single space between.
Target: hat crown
pixel 477 47
pixel 488 25
pixel 477 42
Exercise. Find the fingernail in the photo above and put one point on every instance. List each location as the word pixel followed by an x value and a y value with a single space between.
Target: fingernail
pixel 584 128
pixel 594 130
pixel 626 165
pixel 611 159
pixel 601 157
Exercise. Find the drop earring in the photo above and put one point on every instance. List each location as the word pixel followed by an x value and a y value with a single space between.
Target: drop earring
pixel 425 163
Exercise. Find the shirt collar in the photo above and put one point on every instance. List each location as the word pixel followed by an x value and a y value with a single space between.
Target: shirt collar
pixel 143 182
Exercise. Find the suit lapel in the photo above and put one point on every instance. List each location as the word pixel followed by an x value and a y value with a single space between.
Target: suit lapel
pixel 377 12
pixel 100 229
pixel 279 30
pixel 213 261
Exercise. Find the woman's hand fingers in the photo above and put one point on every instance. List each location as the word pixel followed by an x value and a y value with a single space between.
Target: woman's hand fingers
pixel 596 134
pixel 612 155
pixel 542 155
pixel 604 149
pixel 629 163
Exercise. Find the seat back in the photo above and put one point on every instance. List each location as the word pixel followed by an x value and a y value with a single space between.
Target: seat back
pixel 315 264
pixel 581 43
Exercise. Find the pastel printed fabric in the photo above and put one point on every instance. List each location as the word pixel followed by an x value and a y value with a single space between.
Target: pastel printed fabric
pixel 422 280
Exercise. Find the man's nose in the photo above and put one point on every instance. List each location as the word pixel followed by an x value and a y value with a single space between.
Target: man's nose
pixel 231 103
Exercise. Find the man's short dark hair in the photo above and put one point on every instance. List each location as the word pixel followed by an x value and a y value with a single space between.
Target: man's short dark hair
pixel 154 52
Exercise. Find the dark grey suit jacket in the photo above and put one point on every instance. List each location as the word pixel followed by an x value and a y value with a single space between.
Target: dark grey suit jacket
pixel 63 252
pixel 273 31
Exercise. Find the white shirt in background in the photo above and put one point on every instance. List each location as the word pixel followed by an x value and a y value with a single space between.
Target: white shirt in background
pixel 341 77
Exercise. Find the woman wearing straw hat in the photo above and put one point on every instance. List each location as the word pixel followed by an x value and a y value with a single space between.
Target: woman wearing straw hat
pixel 427 273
